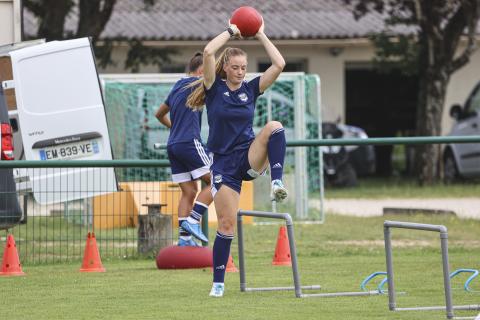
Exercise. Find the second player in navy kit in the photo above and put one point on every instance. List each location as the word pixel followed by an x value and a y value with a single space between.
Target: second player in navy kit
pixel 188 159
pixel 237 153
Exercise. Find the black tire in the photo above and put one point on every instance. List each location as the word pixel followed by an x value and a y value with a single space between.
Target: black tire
pixel 450 169
pixel 345 177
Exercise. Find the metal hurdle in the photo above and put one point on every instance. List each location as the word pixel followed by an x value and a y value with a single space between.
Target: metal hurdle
pixel 296 275
pixel 293 253
pixel 449 307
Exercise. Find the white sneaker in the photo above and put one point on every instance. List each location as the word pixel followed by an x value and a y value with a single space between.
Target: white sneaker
pixel 278 193
pixel 217 290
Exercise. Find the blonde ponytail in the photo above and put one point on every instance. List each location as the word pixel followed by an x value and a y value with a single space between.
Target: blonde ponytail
pixel 196 99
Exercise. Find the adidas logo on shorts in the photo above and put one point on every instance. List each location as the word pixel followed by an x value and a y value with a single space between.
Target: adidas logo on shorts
pixel 277 165
pixel 217 178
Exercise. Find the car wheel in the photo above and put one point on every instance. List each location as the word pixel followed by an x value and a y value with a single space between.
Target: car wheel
pixel 450 170
pixel 346 176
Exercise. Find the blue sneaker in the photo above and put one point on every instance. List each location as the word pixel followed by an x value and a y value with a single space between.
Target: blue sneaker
pixel 187 243
pixel 217 290
pixel 194 229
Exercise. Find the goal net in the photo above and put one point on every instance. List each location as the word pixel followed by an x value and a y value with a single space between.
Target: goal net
pixel 294 99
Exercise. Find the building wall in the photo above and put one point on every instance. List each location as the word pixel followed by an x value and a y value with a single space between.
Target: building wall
pixel 330 66
pixel 460 86
pixel 10 26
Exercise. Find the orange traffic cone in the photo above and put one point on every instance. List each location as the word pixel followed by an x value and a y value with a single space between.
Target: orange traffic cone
pixel 230 265
pixel 282 250
pixel 11 263
pixel 91 257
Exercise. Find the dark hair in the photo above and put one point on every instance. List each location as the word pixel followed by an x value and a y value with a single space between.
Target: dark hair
pixel 196 62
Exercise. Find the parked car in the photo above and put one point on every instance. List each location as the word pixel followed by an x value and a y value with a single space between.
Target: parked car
pixel 343 164
pixel 10 211
pixel 462 160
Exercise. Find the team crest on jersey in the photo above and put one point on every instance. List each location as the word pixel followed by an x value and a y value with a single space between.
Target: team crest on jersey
pixel 243 96
pixel 217 178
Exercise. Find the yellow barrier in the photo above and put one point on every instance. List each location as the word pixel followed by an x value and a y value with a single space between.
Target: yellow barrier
pixel 246 203
pixel 121 209
pixel 115 210
pixel 150 192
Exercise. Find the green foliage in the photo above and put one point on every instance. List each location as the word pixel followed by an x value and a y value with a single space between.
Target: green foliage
pixel 103 53
pixel 394 50
pixel 400 53
pixel 139 55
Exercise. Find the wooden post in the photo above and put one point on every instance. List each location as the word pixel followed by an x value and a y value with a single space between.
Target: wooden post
pixel 154 230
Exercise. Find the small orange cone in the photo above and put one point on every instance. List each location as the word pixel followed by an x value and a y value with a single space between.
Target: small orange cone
pixel 11 263
pixel 230 265
pixel 282 250
pixel 91 257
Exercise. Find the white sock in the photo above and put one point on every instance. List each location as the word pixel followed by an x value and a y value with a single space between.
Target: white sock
pixel 192 221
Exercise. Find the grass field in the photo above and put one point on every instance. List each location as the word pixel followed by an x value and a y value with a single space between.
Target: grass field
pixel 336 255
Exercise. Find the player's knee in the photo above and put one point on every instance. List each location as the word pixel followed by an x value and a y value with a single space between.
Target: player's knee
pixel 274 125
pixel 226 226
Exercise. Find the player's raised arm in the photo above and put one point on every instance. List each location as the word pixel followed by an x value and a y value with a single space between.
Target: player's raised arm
pixel 278 63
pixel 209 53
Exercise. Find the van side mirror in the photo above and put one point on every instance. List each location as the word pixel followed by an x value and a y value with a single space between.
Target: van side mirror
pixel 456 112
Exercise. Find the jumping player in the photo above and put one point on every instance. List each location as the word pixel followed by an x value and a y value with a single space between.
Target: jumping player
pixel 237 154
pixel 188 158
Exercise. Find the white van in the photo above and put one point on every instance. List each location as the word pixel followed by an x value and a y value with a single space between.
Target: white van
pixel 59 108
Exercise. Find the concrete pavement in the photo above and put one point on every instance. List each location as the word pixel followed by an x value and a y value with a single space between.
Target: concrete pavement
pixel 463 207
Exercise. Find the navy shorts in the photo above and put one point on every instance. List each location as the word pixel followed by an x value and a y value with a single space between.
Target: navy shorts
pixel 188 160
pixel 231 170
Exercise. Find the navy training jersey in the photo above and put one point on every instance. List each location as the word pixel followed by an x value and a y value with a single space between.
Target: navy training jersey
pixel 230 115
pixel 186 123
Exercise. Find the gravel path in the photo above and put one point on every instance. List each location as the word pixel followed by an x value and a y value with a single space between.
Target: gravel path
pixel 463 207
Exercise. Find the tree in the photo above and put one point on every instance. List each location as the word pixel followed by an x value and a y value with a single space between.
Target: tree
pixel 440 41
pixel 93 16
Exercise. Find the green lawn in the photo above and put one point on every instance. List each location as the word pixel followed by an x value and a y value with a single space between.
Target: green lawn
pixel 397 187
pixel 336 255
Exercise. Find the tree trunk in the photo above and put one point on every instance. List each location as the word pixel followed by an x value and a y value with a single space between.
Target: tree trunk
pixel 52 21
pixel 433 87
pixel 93 17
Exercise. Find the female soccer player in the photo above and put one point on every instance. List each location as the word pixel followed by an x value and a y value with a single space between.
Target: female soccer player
pixel 237 154
pixel 188 159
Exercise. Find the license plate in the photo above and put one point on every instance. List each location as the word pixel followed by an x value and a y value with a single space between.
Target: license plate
pixel 69 151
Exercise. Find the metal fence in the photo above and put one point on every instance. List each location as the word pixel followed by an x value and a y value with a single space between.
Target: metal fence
pixel 61 201
pixel 54 229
